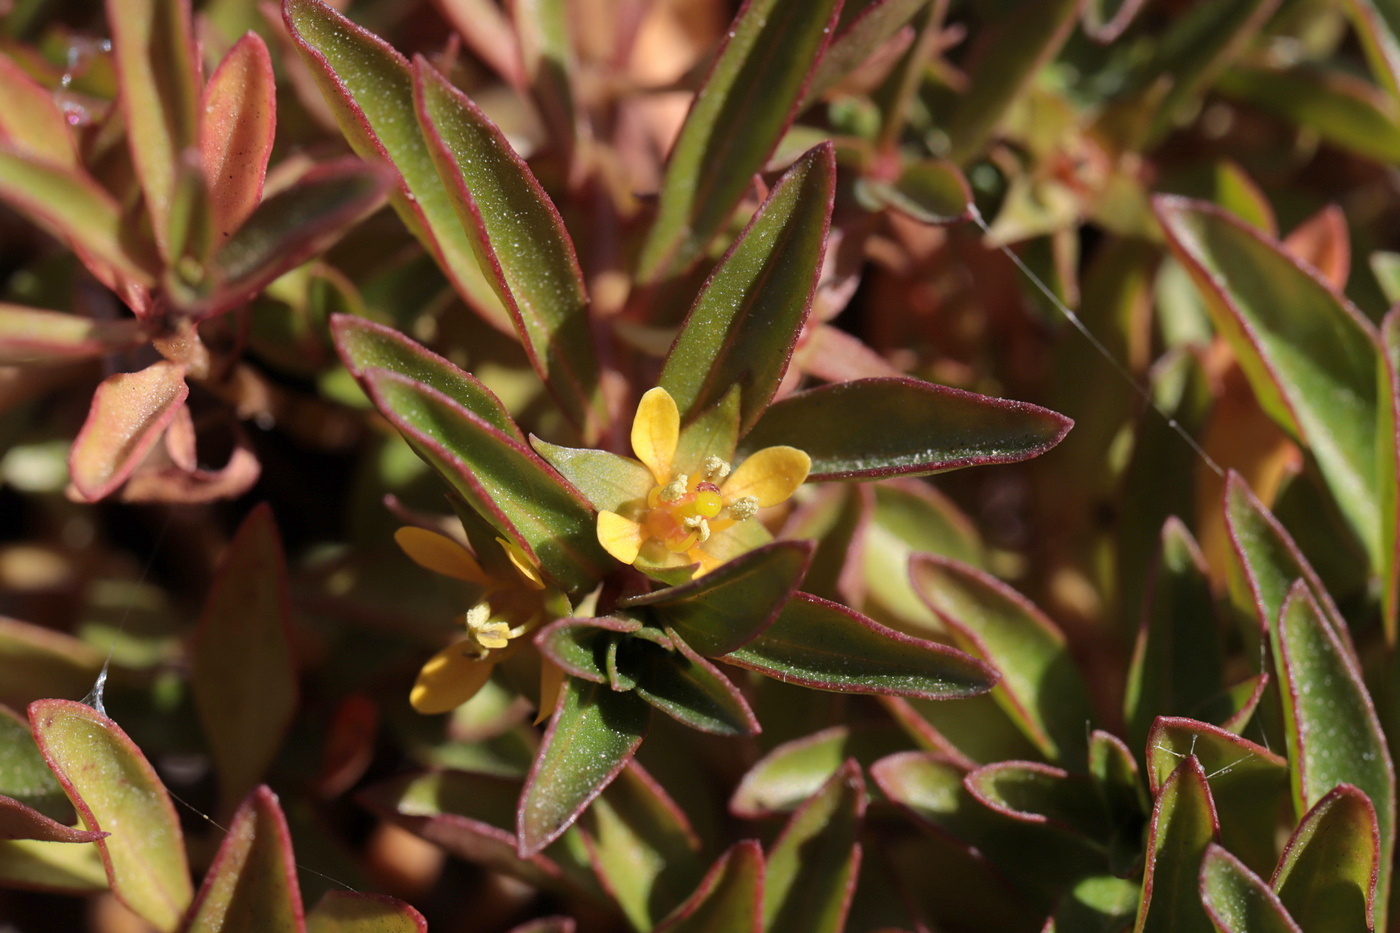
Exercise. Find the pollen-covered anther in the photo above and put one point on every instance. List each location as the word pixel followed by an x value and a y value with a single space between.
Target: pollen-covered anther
pixel 490 634
pixel 743 508
pixel 675 489
pixel 699 525
pixel 716 468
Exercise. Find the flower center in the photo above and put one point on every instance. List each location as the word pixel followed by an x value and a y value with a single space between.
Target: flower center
pixel 683 513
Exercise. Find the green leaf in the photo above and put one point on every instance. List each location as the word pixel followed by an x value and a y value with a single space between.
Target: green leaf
pixel 365 345
pixel 931 191
pixel 25 780
pixel 812 866
pixel 1310 356
pixel 580 646
pixel 1334 736
pixel 756 83
pixel 31 121
pixel 728 897
pixel 1378 27
pixel 252 883
pixel 238 118
pixel 870 428
pixel 1328 877
pixel 129 412
pixel 607 480
pixel 1388 470
pixel 1183 825
pixel 60 867
pixel 354 912
pixel 1237 900
pixel 744 324
pixel 112 784
pixel 1042 795
pixel 37 662
pixel 732 604
pixel 857 38
pixel 786 777
pixel 593 734
pixel 242 673
pixel 499 476
pixel 31 335
pixel 826 646
pixel 1040 688
pixel 370 88
pixel 519 239
pixel 1119 787
pixel 686 687
pixel 1336 105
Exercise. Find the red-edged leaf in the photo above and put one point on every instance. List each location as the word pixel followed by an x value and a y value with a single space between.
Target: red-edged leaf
pixel 238 117
pixel 1388 436
pixel 1237 900
pixel 129 411
pixel 1183 825
pixel 354 912
pixel 59 867
pixel 20 821
pixel 26 781
pixel 728 899
pixel 38 662
pixel 792 772
pixel 1329 875
pixel 112 784
pixel 31 122
pixel 32 335
pixel 1042 795
pixel 812 866
pixel 252 883
pixel 486 30
pixel 858 36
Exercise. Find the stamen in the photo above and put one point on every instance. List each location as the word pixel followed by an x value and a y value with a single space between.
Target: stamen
pixel 716 469
pixel 699 525
pixel 743 508
pixel 675 489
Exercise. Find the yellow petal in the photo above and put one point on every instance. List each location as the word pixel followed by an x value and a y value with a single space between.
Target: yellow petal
pixel 551 682
pixel 620 537
pixel 449 679
pixel 440 554
pixel 521 562
pixel 770 476
pixel 655 432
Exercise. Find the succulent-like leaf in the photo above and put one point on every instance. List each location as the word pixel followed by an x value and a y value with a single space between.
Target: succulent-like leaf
pixel 32 122
pixel 237 121
pixel 1183 825
pixel 252 884
pixel 593 734
pixel 1328 875
pixel 728 899
pixel 827 646
pixel 1378 28
pixel 1119 787
pixel 812 866
pixel 112 784
pixel 61 867
pixel 792 772
pixel 1388 439
pixel 129 412
pixel 873 428
pixel 1310 356
pixel 28 786
pixel 245 628
pixel 744 324
pixel 354 912
pixel 607 480
pixel 858 35
pixel 32 335
pixel 735 602
pixel 686 687
pixel 931 191
pixel 1238 900
pixel 519 239
pixel 756 83
pixel 579 646
pixel 1040 794
pixel 37 662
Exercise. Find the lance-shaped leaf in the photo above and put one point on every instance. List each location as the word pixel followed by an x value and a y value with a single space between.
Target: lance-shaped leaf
pixel 20 821
pixel 1378 28
pixel 252 884
pixel 728 899
pixel 732 604
pixel 242 674
pixel 863 28
pixel 686 687
pixel 1183 825
pixel 812 866
pixel 30 788
pixel 60 867
pixel 1118 786
pixel 519 238
pixel 1040 688
pixel 791 773
pixel 608 480
pixel 594 732
pixel 1329 875
pixel 1388 438
pixel 756 83
pixel 872 428
pixel 37 662
pixel 289 228
pixel 744 324
pixel 931 191
pixel 1334 736
pixel 158 89
pixel 1310 356
pixel 370 88
pixel 32 335
pixel 73 207
pixel 31 122
pixel 365 345
pixel 580 646
pixel 504 480
pixel 826 646
pixel 1238 900
pixel 1041 795
pixel 129 412
pixel 354 912
pixel 112 784
pixel 237 120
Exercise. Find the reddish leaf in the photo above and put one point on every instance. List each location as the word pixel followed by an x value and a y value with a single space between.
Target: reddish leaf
pixel 31 335
pixel 728 899
pixel 812 866
pixel 129 410
pixel 353 912
pixel 30 121
pixel 238 116
pixel 1183 824
pixel 1328 875
pixel 252 884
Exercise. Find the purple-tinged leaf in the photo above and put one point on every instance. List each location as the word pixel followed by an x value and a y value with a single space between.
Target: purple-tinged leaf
pixel 592 736
pixel 487 32
pixel 836 520
pixel 932 191
pixel 31 122
pixel 519 238
pixel 242 672
pixel 1183 825
pixel 59 867
pixel 129 412
pixel 1388 437
pixel 1377 25
pixel 1105 20
pixel 579 646
pixel 688 688
pixel 1334 736
pixel 21 821
pixel 112 784
pixel 354 912
pixel 744 324
pixel 827 646
pixel 366 345
pixel 32 335
pixel 370 88
pixel 734 603
pixel 1040 688
pixel 550 63
pixel 158 80
pixel 792 772
pixel 812 866
pixel 252 883
pixel 1040 794
pixel 1118 785
pixel 1329 875
pixel 237 121
pixel 504 480
pixel 757 82
pixel 1310 356
pixel 38 662
pixel 728 899
pixel 26 781
pixel 857 38
pixel 1237 900
pixel 874 428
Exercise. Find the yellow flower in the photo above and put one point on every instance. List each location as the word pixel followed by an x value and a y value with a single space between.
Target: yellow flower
pixel 511 604
pixel 693 508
